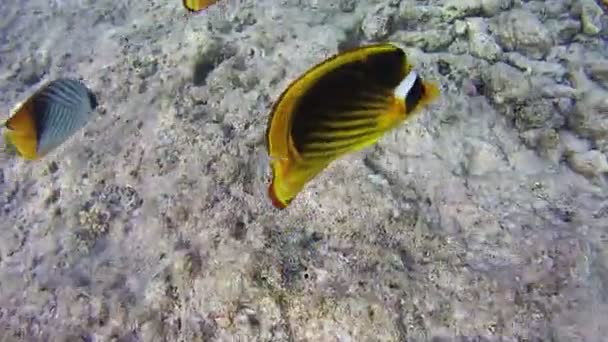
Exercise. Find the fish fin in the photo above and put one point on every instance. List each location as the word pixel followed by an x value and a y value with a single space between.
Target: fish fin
pixel 187 6
pixel 276 202
pixel 197 6
pixel 21 133
pixel 289 178
pixel 432 92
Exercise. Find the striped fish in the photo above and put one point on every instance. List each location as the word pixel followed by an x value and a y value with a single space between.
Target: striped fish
pixel 49 117
pixel 197 5
pixel 342 105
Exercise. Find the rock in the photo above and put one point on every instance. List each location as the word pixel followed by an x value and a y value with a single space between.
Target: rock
pixel 483 158
pixel 565 106
pixel 591 17
pixel 460 27
pixel 590 116
pixel 428 40
pixel 378 23
pixel 527 162
pixel 458 9
pixel 573 144
pixel 556 8
pixel 411 13
pixel 493 7
pixel 548 88
pixel 564 29
pixel 578 78
pixel 598 71
pixel 591 163
pixel 573 54
pixel 209 56
pixel 347 5
pixel 150 331
pixel 32 69
pixel 537 114
pixel 481 43
pixel 506 84
pixel 551 69
pixel 547 145
pixel 459 47
pixel 520 30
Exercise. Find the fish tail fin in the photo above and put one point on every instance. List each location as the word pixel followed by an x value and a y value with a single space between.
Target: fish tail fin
pixel 20 134
pixel 276 193
pixel 431 92
pixel 272 194
pixel 289 179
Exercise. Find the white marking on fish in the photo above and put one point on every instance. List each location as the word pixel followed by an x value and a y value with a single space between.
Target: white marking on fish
pixel 406 85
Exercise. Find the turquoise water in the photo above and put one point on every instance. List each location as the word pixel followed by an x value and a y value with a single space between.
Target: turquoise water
pixel 484 217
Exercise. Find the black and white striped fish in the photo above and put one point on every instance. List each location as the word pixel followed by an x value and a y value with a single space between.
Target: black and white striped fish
pixel 49 117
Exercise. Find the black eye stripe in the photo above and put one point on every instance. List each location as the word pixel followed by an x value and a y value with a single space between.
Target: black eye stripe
pixel 414 94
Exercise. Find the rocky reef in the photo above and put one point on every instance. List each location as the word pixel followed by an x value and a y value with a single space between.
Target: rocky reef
pixel 484 218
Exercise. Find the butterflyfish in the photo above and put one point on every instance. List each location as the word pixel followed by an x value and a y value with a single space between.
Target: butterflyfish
pixel 49 117
pixel 198 5
pixel 342 105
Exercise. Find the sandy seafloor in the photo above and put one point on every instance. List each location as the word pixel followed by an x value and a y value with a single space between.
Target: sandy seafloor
pixel 484 218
